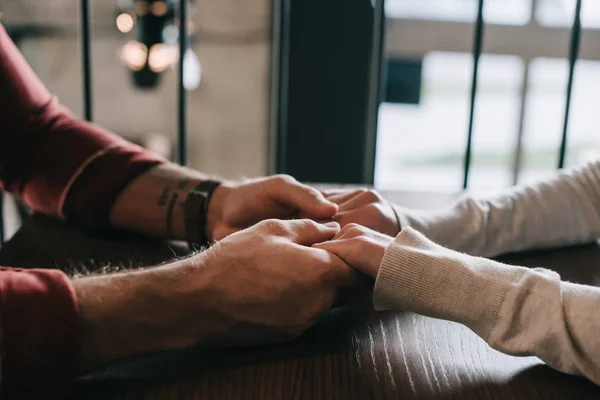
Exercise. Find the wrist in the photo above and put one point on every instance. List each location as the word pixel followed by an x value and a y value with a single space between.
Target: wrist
pixel 215 210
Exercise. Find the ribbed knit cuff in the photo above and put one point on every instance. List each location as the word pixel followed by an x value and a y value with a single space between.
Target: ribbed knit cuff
pixel 421 276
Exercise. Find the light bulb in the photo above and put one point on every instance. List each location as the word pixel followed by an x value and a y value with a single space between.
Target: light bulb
pixel 162 57
pixel 192 70
pixel 159 8
pixel 134 54
pixel 125 22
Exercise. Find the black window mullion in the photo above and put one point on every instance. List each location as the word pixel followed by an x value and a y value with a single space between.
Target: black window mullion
pixel 181 94
pixel 573 56
pixel 477 48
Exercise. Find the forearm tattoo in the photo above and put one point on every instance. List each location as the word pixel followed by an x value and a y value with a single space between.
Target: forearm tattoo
pixel 169 197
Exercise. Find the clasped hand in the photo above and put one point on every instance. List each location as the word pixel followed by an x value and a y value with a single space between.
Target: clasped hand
pixel 271 281
pixel 368 221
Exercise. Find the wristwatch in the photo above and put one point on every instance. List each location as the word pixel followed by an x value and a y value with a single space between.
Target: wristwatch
pixel 196 208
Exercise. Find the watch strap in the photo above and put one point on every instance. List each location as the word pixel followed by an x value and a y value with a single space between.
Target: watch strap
pixel 196 209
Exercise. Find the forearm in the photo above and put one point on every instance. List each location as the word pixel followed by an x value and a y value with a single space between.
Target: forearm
pixel 139 312
pixel 563 210
pixel 516 310
pixel 154 202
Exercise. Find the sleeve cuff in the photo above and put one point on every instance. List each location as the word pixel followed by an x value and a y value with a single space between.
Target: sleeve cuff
pixel 91 195
pixel 40 344
pixel 421 276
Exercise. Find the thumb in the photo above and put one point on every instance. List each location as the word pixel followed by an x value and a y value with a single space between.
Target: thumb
pixel 308 201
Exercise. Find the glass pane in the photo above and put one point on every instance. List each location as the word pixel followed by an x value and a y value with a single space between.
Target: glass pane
pixel 496 121
pixel 544 115
pixel 422 147
pixel 583 141
pixel 514 12
pixel 561 13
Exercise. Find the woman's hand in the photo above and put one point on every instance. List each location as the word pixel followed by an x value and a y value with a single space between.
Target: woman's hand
pixel 360 247
pixel 365 207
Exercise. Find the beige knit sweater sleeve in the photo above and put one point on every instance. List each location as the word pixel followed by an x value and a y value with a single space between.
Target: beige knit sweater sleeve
pixel 516 310
pixel 563 210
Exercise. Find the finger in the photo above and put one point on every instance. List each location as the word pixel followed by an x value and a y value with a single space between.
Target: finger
pixel 348 218
pixel 306 232
pixel 343 196
pixel 344 230
pixel 355 252
pixel 335 191
pixel 352 231
pixel 360 200
pixel 339 247
pixel 291 194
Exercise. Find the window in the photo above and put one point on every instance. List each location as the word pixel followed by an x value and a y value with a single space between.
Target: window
pixel 517 12
pixel 521 96
pixel 422 146
pixel 560 13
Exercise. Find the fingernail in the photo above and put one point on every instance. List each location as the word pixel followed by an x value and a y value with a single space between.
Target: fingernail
pixel 332 225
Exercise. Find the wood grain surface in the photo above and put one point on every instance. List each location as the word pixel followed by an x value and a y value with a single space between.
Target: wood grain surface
pixel 352 352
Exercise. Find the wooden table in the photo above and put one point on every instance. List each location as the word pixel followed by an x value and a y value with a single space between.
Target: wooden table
pixel 352 353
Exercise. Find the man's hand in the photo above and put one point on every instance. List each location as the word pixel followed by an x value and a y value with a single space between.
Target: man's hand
pixel 236 206
pixel 154 203
pixel 268 285
pixel 263 284
pixel 364 207
pixel 360 247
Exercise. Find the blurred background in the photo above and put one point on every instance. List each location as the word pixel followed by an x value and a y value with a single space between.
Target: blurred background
pixel 282 85
pixel 521 97
pixel 227 109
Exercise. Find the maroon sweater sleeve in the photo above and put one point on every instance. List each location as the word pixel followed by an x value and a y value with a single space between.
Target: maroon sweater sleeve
pixel 56 163
pixel 39 339
pixel 61 166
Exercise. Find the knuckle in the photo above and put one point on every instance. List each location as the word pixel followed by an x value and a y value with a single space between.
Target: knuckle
pixel 305 223
pixel 310 225
pixel 372 195
pixel 359 193
pixel 283 179
pixel 373 209
pixel 356 230
pixel 352 226
pixel 273 226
